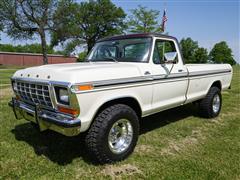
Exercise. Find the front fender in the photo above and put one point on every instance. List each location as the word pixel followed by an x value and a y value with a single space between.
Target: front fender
pixel 91 102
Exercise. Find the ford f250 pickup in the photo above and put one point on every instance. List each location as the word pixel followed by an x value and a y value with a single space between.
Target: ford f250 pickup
pixel 123 79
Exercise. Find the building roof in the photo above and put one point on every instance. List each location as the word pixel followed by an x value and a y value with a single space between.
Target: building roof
pixel 141 35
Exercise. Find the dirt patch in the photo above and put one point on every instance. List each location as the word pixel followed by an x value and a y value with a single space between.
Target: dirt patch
pixel 5 92
pixel 175 147
pixel 142 149
pixel 116 171
pixel 225 92
pixel 219 121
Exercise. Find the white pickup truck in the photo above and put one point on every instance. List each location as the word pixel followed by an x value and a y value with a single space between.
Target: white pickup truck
pixel 123 79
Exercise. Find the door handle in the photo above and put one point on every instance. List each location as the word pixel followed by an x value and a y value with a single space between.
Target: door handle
pixel 180 70
pixel 147 73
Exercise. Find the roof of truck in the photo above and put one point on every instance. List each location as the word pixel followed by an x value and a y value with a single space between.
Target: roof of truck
pixel 141 35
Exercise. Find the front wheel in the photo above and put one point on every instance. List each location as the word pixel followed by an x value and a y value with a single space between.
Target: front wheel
pixel 114 134
pixel 210 106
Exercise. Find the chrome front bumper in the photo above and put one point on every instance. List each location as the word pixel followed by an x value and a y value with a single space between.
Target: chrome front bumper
pixel 46 119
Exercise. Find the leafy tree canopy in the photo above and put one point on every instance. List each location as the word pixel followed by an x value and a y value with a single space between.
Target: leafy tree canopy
pixel 188 49
pixel 82 56
pixel 201 55
pixel 25 18
pixel 1 27
pixel 221 53
pixel 144 20
pixel 87 22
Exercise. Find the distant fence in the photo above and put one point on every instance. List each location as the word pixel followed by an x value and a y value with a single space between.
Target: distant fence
pixel 30 59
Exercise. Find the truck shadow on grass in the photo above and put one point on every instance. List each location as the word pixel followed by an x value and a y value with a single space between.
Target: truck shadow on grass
pixel 63 150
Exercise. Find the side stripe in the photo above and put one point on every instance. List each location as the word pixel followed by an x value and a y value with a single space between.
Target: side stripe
pixel 202 73
pixel 155 79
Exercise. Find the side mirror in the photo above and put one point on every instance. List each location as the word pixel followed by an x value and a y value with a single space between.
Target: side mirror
pixel 170 57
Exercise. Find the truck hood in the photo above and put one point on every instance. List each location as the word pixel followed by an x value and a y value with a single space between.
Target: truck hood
pixel 80 72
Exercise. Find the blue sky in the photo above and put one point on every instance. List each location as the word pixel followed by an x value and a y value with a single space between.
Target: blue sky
pixel 207 22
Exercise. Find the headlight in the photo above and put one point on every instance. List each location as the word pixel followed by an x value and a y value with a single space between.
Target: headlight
pixel 62 95
pixel 14 86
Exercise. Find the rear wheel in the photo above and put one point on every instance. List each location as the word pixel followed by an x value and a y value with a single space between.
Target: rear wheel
pixel 210 106
pixel 114 134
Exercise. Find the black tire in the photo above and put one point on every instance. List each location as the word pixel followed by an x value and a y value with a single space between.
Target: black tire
pixel 34 125
pixel 98 135
pixel 206 108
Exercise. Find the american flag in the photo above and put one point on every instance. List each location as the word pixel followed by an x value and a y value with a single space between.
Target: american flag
pixel 164 20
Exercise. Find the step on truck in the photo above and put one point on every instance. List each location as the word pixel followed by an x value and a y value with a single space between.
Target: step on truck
pixel 123 79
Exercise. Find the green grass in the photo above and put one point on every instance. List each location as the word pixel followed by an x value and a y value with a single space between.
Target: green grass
pixel 12 67
pixel 5 75
pixel 174 144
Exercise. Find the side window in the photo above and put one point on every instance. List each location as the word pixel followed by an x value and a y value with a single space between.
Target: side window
pixel 161 48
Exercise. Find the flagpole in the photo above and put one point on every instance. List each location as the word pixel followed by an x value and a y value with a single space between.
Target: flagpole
pixel 164 20
pixel 164 7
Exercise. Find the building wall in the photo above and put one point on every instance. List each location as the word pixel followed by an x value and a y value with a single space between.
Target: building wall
pixel 28 59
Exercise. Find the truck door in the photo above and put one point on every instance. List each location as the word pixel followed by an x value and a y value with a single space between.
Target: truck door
pixel 170 76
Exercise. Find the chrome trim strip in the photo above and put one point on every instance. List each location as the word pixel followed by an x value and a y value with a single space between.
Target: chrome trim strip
pixel 41 81
pixel 131 82
pixel 206 76
pixel 170 76
pixel 202 73
pixel 122 81
pixel 145 80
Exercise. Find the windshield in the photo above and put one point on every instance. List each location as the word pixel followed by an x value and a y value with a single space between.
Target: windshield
pixel 124 50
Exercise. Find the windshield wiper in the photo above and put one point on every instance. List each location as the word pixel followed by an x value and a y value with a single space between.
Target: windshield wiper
pixel 87 60
pixel 103 59
pixel 111 58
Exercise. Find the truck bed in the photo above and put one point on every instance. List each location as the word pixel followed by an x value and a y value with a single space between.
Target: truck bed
pixel 202 76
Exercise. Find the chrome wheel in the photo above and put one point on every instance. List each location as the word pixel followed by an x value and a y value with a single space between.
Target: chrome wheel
pixel 216 103
pixel 120 136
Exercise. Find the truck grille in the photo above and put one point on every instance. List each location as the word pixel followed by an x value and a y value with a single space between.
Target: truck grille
pixel 34 93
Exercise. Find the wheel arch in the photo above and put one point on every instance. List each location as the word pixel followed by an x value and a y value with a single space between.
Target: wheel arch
pixel 127 100
pixel 217 84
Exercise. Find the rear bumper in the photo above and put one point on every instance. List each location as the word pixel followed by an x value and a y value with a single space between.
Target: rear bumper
pixel 46 119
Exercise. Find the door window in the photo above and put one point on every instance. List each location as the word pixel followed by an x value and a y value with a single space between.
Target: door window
pixel 162 47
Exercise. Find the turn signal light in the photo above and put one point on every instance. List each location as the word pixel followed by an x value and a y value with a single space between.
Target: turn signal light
pixel 17 97
pixel 73 112
pixel 86 87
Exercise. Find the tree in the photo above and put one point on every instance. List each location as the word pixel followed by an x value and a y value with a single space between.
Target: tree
pixel 221 53
pixel 188 49
pixel 144 20
pixel 201 55
pixel 23 19
pixel 87 22
pixel 1 27
pixel 82 56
